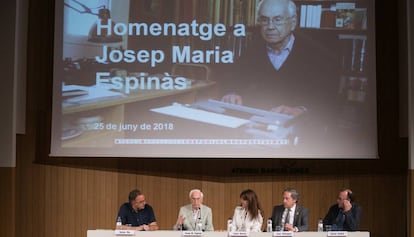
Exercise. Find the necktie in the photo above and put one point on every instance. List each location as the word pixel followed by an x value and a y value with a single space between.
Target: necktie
pixel 287 216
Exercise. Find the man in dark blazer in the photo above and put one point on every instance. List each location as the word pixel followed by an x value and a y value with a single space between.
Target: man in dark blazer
pixel 290 216
pixel 345 214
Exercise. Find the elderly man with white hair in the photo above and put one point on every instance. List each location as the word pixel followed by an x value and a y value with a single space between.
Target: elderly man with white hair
pixel 195 216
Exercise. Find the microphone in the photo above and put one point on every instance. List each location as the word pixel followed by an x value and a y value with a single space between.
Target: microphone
pixel 199 225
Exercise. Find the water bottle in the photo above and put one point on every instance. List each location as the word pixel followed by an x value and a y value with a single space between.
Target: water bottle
pixel 320 225
pixel 229 224
pixel 118 223
pixel 269 227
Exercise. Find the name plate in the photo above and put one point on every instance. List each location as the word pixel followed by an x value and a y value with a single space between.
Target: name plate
pixel 124 232
pixel 337 233
pixel 188 233
pixel 238 233
pixel 283 233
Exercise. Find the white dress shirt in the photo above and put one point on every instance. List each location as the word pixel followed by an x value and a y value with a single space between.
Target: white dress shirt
pixel 278 58
pixel 291 215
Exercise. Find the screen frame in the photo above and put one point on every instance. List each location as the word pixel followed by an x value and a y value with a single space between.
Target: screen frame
pixel 387 92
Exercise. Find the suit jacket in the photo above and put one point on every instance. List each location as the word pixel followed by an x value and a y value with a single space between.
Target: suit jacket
pixel 352 218
pixel 300 219
pixel 206 217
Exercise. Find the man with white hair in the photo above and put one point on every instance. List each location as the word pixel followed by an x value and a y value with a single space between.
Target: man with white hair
pixel 195 216
pixel 286 72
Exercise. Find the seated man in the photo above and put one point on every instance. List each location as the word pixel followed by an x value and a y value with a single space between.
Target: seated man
pixel 137 214
pixel 345 214
pixel 195 216
pixel 289 216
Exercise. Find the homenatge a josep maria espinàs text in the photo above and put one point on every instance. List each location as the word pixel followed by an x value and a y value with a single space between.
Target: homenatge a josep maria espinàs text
pixel 183 54
pixel 179 54
pixel 204 31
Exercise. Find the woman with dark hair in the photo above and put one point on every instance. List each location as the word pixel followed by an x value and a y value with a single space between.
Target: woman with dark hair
pixel 248 216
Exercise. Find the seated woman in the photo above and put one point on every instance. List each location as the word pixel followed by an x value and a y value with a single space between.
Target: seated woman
pixel 247 217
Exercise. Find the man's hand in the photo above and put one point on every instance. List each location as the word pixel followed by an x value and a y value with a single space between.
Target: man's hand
pixel 290 227
pixel 347 205
pixel 180 221
pixel 294 111
pixel 139 228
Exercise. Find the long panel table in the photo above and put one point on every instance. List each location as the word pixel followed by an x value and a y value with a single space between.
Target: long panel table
pixel 168 233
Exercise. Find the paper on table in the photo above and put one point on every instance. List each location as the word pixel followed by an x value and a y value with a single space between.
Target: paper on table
pixel 94 95
pixel 185 112
pixel 88 94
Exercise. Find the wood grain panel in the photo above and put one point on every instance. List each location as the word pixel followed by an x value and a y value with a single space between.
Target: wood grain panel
pixel 213 197
pixel 7 201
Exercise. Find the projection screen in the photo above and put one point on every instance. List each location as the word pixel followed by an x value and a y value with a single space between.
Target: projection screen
pixel 214 79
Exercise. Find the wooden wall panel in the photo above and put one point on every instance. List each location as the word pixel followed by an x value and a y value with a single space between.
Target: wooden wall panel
pixel 7 201
pixel 386 192
pixel 51 198
pixel 364 186
pixel 126 183
pixel 161 194
pixel 213 197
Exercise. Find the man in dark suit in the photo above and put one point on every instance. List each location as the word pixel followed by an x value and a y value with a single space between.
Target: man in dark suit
pixel 290 216
pixel 345 214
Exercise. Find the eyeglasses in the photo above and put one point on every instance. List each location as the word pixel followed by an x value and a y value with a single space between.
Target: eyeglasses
pixel 277 20
pixel 139 201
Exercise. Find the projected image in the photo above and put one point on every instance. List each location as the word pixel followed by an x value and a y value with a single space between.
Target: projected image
pixel 243 79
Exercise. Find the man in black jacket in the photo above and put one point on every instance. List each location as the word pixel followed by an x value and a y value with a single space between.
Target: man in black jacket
pixel 345 214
